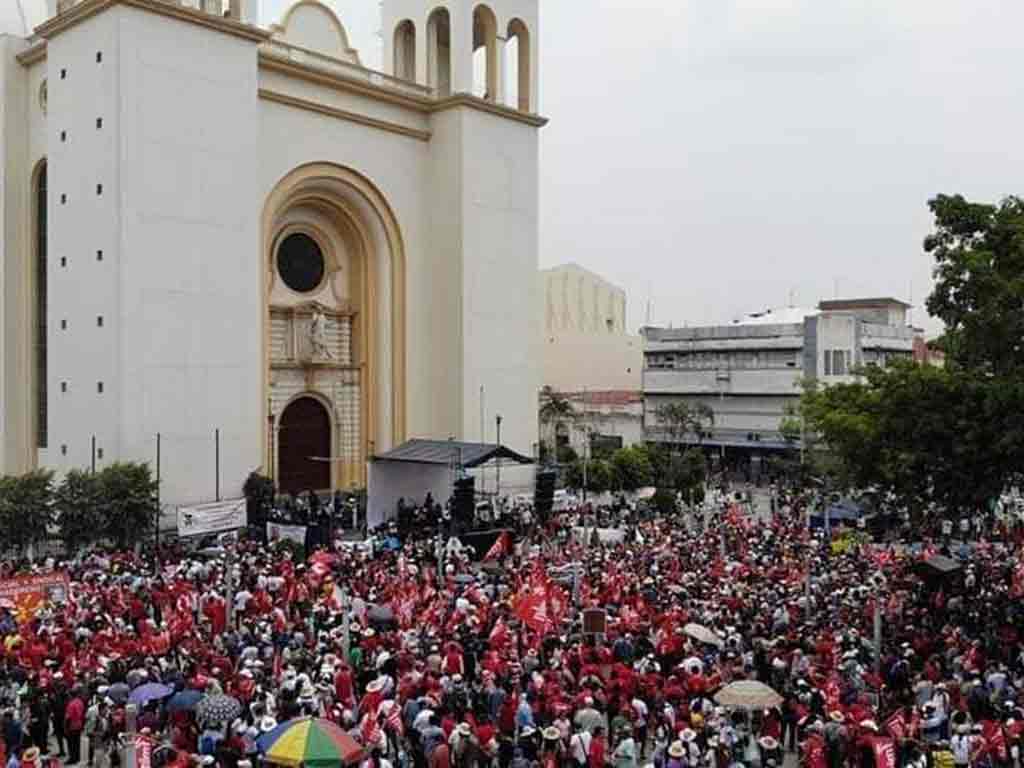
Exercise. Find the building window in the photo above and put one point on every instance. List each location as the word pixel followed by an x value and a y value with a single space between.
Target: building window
pixel 40 308
pixel 300 262
pixel 99 321
pixel 838 362
pixel 99 56
pixel 828 362
pixel 99 255
pixel 99 123
pixel 99 387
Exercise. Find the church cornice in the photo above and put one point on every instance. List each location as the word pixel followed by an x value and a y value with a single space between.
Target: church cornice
pixel 87 8
pixel 33 54
pixel 423 104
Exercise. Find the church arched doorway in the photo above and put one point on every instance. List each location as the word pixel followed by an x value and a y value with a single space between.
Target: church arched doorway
pixel 304 432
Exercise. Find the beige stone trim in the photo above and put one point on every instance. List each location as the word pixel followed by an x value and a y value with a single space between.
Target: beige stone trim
pixel 32 55
pixel 482 105
pixel 339 28
pixel 421 104
pixel 343 114
pixel 88 8
pixel 281 195
pixel 310 74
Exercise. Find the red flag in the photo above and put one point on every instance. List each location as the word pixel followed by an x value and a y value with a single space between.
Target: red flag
pixel 896 725
pixel 885 752
pixel 394 720
pixel 500 547
pixel 499 634
pixel 995 739
pixel 370 731
pixel 532 610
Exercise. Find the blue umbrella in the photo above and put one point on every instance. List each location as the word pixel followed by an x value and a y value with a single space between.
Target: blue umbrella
pixel 149 692
pixel 184 701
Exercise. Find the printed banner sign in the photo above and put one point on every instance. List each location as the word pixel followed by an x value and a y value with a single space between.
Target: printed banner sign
pixel 277 532
pixel 215 517
pixel 26 595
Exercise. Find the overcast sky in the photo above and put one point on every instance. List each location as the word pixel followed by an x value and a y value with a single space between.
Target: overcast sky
pixel 721 156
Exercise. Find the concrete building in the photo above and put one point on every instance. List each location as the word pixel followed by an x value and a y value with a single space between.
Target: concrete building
pixel 587 355
pixel 750 372
pixel 213 224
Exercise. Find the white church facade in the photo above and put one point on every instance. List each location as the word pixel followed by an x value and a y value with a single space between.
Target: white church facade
pixel 212 227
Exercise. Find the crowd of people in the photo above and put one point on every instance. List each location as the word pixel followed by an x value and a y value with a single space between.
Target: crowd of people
pixel 433 658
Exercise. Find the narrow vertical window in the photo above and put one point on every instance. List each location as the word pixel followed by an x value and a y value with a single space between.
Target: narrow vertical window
pixel 40 307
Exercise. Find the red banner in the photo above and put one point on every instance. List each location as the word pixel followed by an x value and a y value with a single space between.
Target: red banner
pixel 26 595
pixel 885 752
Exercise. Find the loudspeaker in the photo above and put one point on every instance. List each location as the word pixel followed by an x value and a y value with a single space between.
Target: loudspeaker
pixel 464 502
pixel 544 494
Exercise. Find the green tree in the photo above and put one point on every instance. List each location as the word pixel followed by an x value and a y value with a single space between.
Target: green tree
pixel 128 502
pixel 927 435
pixel 555 409
pixel 790 425
pixel 26 509
pixel 632 468
pixel 680 419
pixel 79 500
pixel 979 282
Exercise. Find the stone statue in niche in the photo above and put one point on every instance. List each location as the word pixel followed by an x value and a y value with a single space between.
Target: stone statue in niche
pixel 318 337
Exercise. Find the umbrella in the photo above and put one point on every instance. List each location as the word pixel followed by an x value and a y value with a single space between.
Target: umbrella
pixel 118 692
pixel 184 701
pixel 702 634
pixel 310 741
pixel 380 614
pixel 149 692
pixel 749 694
pixel 218 709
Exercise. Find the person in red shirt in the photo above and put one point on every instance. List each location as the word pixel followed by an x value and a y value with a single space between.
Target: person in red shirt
pixel 74 724
pixel 598 749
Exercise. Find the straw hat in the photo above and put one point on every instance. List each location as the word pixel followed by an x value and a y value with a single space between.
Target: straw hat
pixel 676 750
pixel 768 743
pixel 31 755
pixel 551 733
pixel 870 725
pixel 688 734
pixel 836 716
pixel 267 723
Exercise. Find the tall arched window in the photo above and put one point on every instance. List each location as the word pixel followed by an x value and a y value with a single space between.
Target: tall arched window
pixel 39 209
pixel 439 52
pixel 518 52
pixel 405 51
pixel 485 53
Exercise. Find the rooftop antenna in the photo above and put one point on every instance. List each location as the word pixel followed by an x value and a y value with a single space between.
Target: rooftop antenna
pixel 835 287
pixel 792 294
pixel 648 320
pixel 910 319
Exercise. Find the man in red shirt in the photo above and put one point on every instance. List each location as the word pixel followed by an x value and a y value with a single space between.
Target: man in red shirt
pixel 74 724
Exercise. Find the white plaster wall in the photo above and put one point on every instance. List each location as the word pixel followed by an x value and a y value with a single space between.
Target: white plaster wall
pixel 571 361
pixel 500 325
pixel 81 222
pixel 190 325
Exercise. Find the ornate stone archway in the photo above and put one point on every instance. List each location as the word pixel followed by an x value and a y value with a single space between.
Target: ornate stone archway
pixel 335 328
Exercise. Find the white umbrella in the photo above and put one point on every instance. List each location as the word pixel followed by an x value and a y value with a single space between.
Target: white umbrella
pixel 702 634
pixel 750 694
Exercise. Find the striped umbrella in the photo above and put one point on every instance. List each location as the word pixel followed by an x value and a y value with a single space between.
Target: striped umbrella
pixel 315 742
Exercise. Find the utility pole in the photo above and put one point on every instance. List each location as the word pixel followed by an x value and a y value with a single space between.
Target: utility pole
pixel 497 479
pixel 159 510
pixel 216 461
pixel 346 625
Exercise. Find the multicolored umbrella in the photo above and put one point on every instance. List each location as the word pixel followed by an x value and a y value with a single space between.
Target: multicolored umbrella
pixel 149 692
pixel 217 709
pixel 310 741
